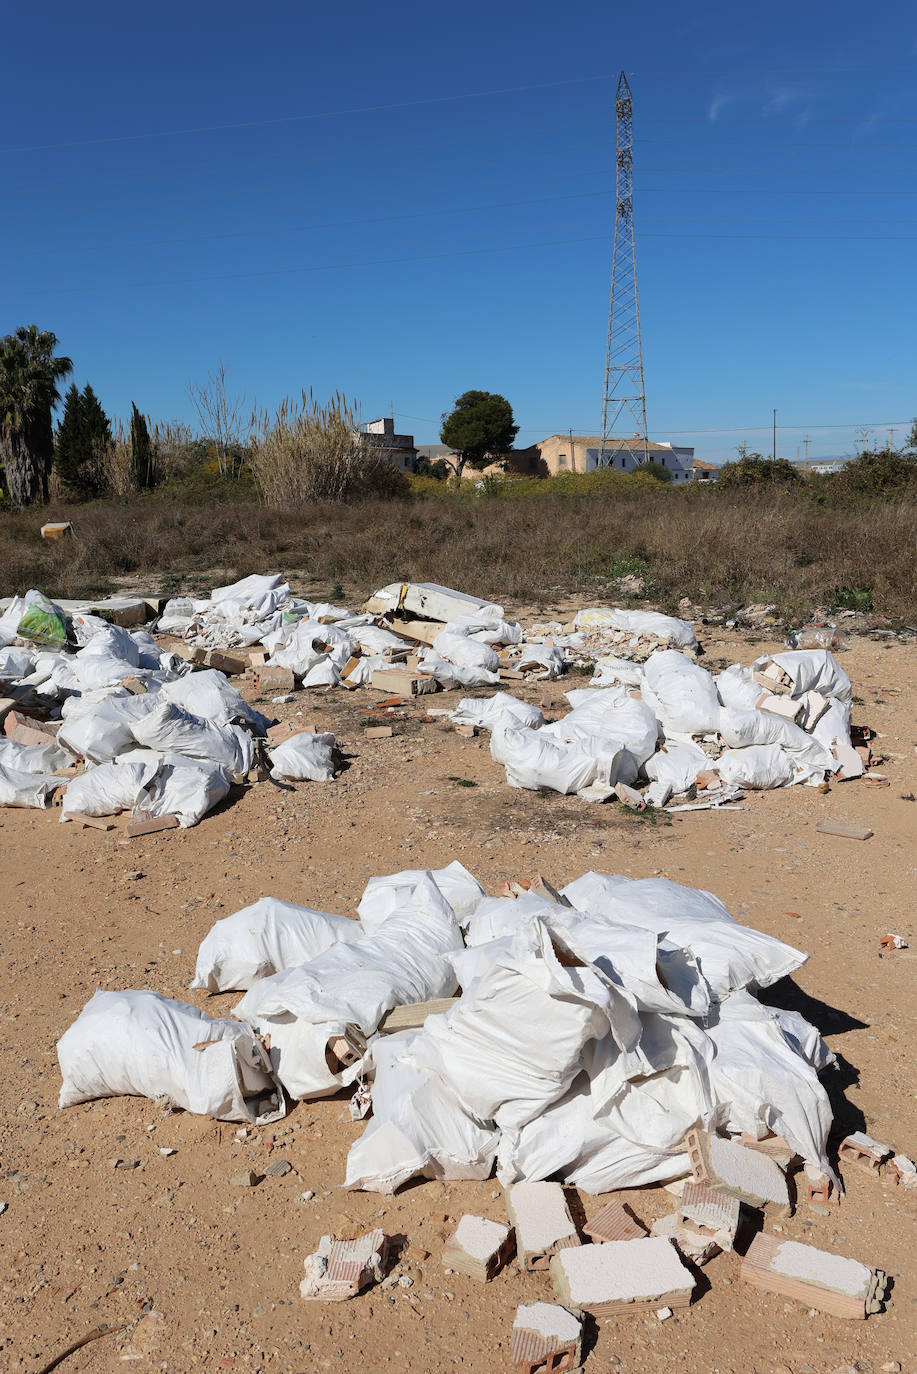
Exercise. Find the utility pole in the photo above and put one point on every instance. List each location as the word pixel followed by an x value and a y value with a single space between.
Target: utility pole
pixel 775 434
pixel 806 442
pixel 572 454
pixel 624 386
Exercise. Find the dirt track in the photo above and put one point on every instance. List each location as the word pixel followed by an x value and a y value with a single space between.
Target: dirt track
pixel 83 1243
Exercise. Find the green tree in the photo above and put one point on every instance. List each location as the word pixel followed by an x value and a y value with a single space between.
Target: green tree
pixel 29 377
pixel 480 429
pixel 143 468
pixel 753 470
pixel 83 436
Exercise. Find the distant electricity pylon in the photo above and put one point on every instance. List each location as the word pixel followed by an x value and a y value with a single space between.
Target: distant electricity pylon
pixel 624 388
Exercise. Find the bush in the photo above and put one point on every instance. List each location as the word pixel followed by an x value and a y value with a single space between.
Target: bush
pixel 756 471
pixel 875 474
pixel 309 452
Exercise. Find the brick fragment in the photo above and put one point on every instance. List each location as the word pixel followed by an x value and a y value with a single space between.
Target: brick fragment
pixel 622 1276
pixel 542 1221
pixel 25 730
pixel 546 1339
pixel 746 1174
pixel 863 1152
pixel 614 1222
pixel 478 1247
pixel 817 1278
pixel 339 1269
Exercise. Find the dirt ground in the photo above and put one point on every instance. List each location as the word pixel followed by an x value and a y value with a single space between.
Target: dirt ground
pixel 83 1243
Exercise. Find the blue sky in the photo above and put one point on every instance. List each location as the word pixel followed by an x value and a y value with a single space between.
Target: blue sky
pixel 408 201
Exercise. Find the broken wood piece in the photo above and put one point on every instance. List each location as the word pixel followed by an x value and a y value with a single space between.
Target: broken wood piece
pixel 92 822
pixel 412 1015
pixel 817 1278
pixel 151 824
pixel 379 732
pixel 403 681
pixel 846 832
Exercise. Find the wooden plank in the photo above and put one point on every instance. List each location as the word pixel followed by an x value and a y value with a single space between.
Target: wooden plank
pixel 846 832
pixel 152 824
pixel 413 1014
pixel 93 822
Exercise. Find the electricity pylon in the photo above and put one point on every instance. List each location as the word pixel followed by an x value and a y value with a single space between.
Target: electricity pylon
pixel 624 388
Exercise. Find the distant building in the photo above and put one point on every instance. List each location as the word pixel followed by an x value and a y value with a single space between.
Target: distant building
pixel 398 448
pixel 584 453
pixel 705 472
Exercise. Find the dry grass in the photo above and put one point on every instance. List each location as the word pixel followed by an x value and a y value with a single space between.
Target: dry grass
pixel 718 548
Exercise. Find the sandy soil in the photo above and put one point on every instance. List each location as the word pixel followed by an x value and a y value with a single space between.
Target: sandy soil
pixel 83 1243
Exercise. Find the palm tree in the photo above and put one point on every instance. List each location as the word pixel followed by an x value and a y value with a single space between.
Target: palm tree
pixel 29 377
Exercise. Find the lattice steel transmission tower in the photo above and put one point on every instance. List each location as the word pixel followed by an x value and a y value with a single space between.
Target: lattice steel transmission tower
pixel 624 388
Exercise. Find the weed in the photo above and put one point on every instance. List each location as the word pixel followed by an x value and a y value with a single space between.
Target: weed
pixel 853 599
pixel 908 796
pixel 461 782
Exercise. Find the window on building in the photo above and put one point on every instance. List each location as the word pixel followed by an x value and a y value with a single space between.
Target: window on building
pixel 622 462
pixel 562 460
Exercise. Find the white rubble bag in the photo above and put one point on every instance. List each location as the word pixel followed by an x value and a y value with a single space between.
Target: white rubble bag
pixel 106 729
pixel 496 917
pixel 385 895
pixel 33 758
pixel 211 695
pixel 353 986
pixel 25 789
pixel 182 787
pixel 324 674
pixel 418 1126
pixel 611 671
pixel 677 764
pixel 108 788
pixel 681 694
pixel 454 645
pixel 533 759
pixel 639 624
pixel 15 663
pixel 613 719
pixel 487 626
pixel 740 729
pixel 545 661
pixel 501 709
pixel 170 729
pixel 304 758
pixel 812 670
pixel 764 1083
pixel 760 766
pixel 730 956
pixel 141 1044
pixel 737 688
pixel 512 1044
pixel 265 938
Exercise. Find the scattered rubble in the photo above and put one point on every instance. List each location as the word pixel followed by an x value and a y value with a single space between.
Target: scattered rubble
pixel 546 1339
pixel 340 1269
pixel 478 1247
pixel 843 1287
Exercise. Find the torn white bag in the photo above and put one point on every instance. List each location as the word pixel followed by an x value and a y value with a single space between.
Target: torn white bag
pixel 501 709
pixel 760 766
pixel 169 729
pixel 681 694
pixel 304 758
pixel 25 789
pixel 385 895
pixel 141 1044
pixel 266 938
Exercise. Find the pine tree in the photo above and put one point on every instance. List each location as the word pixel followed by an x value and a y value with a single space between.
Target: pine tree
pixel 82 438
pixel 142 469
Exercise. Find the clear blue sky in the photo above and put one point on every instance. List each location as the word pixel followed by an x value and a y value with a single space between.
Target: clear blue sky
pixel 410 200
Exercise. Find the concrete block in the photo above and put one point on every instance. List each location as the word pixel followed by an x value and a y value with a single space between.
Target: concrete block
pixel 25 730
pixel 57 530
pixel 863 1153
pixel 614 1222
pixel 478 1247
pixel 902 1170
pixel 378 732
pixel 272 677
pixel 230 664
pixel 339 1269
pixel 846 832
pixel 546 1339
pixel 746 1174
pixel 403 682
pixel 817 1278
pixel 784 706
pixel 622 1276
pixel 774 1146
pixel 542 1222
pixel 820 1191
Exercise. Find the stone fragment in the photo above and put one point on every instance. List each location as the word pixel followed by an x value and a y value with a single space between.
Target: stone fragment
pixel 339 1269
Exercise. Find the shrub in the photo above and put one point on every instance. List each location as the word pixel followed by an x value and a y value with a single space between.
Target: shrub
pixel 875 474
pixel 309 452
pixel 754 470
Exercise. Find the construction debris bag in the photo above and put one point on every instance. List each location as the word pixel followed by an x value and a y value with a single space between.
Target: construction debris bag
pixel 353 986
pixel 106 730
pixel 15 664
pixel 760 766
pixel 496 917
pixel 639 624
pixel 141 1044
pixel 266 938
pixel 611 717
pixel 33 758
pixel 487 626
pixel 678 765
pixel 25 789
pixel 180 786
pixel 491 1047
pixel 545 661
pixel 462 652
pixel 737 688
pixel 812 670
pixel 500 709
pixel 304 758
pixel 385 895
pixel 533 759
pixel 418 1127
pixel 730 956
pixel 681 694
pixel 611 671
pixel 107 789
pixel 209 694
pixel 169 729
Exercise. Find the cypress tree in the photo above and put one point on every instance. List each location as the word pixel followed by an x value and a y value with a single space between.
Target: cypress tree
pixel 141 452
pixel 82 437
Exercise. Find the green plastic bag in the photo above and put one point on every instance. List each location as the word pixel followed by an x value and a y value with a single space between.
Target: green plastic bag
pixel 43 623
